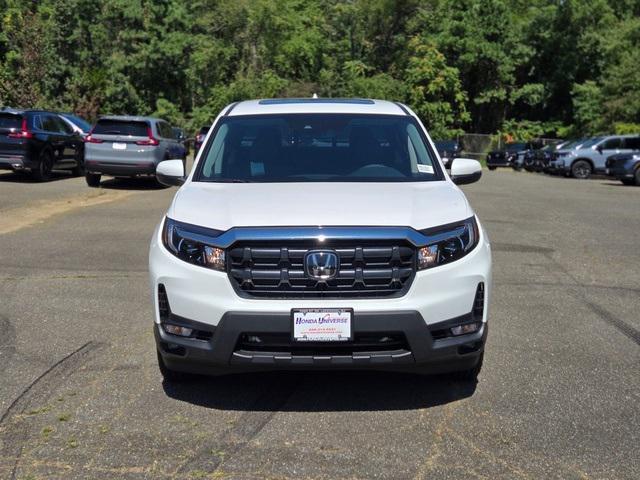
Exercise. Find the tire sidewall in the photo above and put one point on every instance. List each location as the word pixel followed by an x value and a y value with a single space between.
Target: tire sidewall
pixel 581 169
pixel 45 166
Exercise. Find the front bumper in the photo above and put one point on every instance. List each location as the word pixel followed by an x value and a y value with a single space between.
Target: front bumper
pixel 221 353
pixel 621 172
pixel 207 299
pixel 557 166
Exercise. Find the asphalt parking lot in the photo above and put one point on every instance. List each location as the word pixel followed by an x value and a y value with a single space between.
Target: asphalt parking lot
pixel 559 395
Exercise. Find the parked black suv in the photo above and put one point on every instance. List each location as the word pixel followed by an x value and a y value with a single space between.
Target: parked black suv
pixel 38 141
pixel 448 150
pixel 511 155
pixel 538 158
pixel 625 167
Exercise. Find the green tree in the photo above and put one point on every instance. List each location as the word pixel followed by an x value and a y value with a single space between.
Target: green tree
pixel 434 90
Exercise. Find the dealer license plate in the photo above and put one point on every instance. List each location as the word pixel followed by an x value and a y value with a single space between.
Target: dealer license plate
pixel 322 324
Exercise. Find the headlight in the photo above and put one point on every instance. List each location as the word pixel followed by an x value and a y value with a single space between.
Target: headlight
pixel 446 245
pixel 193 244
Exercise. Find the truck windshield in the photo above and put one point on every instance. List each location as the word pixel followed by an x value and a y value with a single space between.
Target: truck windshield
pixel 318 148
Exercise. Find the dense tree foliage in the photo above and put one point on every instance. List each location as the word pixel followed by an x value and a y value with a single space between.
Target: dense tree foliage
pixel 543 67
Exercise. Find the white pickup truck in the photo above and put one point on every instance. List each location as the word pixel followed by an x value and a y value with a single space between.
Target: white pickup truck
pixel 319 234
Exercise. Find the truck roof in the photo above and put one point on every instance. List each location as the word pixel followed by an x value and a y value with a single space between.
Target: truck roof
pixel 316 105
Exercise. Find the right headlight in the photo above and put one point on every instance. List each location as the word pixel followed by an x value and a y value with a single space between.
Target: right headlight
pixel 193 244
pixel 448 244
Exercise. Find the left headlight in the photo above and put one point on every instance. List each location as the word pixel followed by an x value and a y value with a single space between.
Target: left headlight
pixel 446 245
pixel 193 244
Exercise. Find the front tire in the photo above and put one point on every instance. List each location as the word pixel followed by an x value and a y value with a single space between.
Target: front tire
pixel 93 179
pixel 637 177
pixel 581 169
pixel 491 168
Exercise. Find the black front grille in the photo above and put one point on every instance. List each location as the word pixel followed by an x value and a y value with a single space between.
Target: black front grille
pixel 276 269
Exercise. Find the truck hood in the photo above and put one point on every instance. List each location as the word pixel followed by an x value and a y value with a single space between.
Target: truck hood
pixel 222 206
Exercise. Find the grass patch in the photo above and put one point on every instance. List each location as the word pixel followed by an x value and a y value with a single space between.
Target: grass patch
pixel 47 431
pixel 72 443
pixel 38 411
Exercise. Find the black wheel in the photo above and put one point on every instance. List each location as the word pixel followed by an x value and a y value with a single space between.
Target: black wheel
pixel 470 375
pixel 43 172
pixel 491 168
pixel 581 169
pixel 78 170
pixel 628 181
pixel 637 177
pixel 93 179
pixel 172 376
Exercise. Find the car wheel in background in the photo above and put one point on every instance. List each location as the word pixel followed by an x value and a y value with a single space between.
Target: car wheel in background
pixel 45 165
pixel 637 176
pixel 93 179
pixel 581 169
pixel 491 168
pixel 628 181
pixel 529 165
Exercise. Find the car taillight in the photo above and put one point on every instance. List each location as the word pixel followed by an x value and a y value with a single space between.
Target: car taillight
pixel 23 133
pixel 89 139
pixel 149 141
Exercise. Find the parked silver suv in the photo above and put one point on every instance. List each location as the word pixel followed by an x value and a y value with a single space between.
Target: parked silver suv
pixel 124 146
pixel 591 156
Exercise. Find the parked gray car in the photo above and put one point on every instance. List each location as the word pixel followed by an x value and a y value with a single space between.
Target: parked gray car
pixel 125 146
pixel 592 155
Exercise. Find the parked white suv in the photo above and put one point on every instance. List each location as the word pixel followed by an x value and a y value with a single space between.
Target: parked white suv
pixel 319 234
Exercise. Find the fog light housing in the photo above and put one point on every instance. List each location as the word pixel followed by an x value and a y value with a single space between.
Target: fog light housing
pixel 465 329
pixel 177 330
